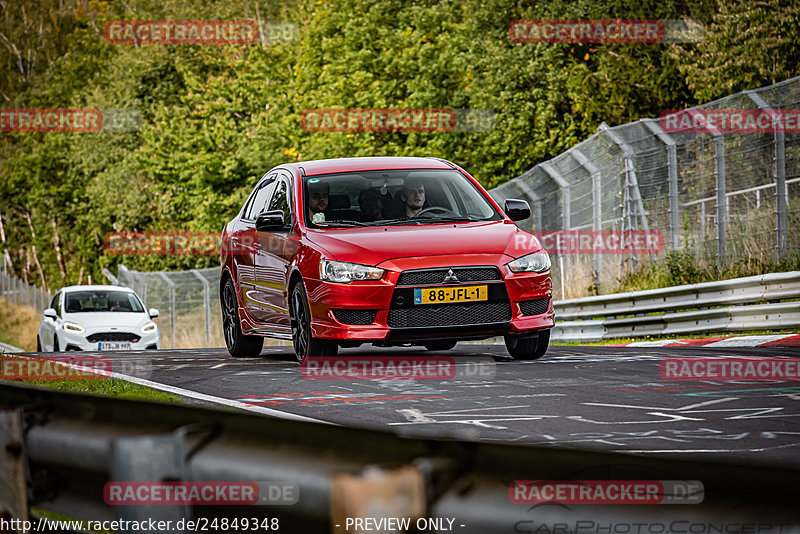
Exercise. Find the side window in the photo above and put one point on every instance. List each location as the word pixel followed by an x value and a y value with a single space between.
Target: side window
pixel 259 200
pixel 55 303
pixel 280 200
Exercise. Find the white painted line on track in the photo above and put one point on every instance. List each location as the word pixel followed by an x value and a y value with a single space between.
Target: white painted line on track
pixel 198 396
pixel 746 341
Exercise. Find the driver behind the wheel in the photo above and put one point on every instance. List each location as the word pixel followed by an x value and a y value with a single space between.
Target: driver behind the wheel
pixel 318 194
pixel 413 197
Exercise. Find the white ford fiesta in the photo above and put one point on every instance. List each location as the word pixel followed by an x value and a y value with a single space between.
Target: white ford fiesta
pixel 97 318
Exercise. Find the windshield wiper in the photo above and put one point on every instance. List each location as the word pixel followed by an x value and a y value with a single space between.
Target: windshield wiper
pixel 403 221
pixel 453 219
pixel 341 224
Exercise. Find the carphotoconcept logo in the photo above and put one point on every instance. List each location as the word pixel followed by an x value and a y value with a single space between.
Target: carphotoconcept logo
pixel 397 120
pixel 731 121
pixel 726 369
pixel 593 241
pixel 55 368
pixel 606 491
pixel 604 31
pixel 205 32
pixel 396 368
pixel 201 493
pixel 78 120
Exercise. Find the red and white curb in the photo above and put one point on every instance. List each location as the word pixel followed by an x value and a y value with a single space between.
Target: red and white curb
pixel 777 340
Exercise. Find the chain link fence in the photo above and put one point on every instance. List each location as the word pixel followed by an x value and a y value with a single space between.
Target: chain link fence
pixel 188 303
pixel 16 291
pixel 721 196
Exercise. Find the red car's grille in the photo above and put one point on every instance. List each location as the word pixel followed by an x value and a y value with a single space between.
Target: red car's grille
pixel 478 313
pixel 437 276
pixel 534 307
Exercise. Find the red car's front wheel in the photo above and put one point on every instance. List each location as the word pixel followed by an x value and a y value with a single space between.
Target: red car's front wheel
pixel 239 345
pixel 304 342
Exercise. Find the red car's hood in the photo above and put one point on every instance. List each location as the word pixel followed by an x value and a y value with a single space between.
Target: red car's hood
pixel 371 246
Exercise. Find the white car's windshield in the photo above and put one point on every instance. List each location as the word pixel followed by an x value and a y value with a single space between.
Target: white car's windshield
pixel 376 198
pixel 102 301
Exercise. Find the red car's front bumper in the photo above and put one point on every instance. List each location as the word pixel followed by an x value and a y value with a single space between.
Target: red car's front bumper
pixel 328 299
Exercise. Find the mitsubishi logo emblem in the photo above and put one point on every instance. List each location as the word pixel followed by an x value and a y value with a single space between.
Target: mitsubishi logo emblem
pixel 450 277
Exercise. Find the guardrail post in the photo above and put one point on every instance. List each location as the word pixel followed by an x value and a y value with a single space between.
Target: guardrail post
pixel 779 173
pixel 597 199
pixel 206 305
pixel 672 176
pixel 171 285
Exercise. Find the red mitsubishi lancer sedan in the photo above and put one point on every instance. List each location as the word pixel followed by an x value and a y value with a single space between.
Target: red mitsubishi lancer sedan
pixel 389 251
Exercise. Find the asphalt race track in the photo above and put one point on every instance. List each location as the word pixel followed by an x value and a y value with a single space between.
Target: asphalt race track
pixel 609 398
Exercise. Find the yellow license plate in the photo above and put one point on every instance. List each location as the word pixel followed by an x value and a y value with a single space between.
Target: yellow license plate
pixel 444 295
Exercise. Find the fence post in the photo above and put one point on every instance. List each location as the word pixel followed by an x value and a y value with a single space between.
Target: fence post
pixel 722 197
pixel 597 199
pixel 171 285
pixel 672 176
pixel 566 222
pixel 779 173
pixel 206 305
pixel 537 202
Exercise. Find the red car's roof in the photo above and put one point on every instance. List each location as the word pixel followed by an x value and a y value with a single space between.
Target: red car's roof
pixel 325 166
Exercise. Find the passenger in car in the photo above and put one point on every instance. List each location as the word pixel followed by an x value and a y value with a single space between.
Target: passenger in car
pixel 371 203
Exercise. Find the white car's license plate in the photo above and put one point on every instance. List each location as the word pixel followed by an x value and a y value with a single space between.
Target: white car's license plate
pixel 114 345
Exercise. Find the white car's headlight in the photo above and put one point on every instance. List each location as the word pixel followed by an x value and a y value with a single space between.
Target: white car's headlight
pixel 343 272
pixel 149 327
pixel 538 262
pixel 73 327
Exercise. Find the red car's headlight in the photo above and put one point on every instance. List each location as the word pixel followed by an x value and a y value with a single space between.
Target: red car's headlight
pixel 538 262
pixel 343 272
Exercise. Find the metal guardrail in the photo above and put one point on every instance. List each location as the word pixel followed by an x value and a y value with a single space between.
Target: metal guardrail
pixel 5 347
pixel 750 303
pixel 63 448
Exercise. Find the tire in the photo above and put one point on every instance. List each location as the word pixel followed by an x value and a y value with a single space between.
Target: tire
pixel 530 347
pixel 55 344
pixel 239 345
pixel 440 345
pixel 302 339
pixel 38 344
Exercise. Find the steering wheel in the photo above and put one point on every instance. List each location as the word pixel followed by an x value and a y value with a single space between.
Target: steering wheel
pixel 431 209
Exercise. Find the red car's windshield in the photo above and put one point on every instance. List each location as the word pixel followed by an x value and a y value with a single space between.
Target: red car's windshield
pixel 376 198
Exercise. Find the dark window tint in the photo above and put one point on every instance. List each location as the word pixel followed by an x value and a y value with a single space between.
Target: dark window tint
pixel 259 201
pixel 102 301
pixel 280 200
